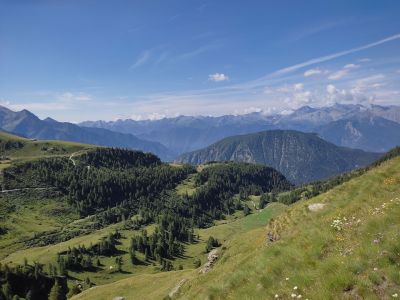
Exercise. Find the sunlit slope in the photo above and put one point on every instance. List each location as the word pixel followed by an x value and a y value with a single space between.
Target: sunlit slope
pixel 157 286
pixel 349 249
pixel 14 148
pixel 346 248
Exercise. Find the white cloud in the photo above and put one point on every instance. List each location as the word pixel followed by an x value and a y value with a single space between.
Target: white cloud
pixel 331 89
pixel 351 66
pixel 336 55
pixel 298 87
pixel 69 97
pixel 364 60
pixel 141 60
pixel 343 72
pixel 217 77
pixel 54 102
pixel 339 74
pixel 312 72
pixel 251 110
pixel 280 89
pixel 4 102
pixel 360 91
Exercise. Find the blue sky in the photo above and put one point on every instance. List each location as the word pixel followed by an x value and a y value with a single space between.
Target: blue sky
pixel 89 60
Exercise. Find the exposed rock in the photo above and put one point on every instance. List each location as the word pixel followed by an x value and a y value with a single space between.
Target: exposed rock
pixel 175 290
pixel 316 206
pixel 212 258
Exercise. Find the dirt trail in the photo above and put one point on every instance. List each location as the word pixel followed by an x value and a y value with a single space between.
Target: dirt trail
pixel 71 158
pixel 27 189
pixel 175 290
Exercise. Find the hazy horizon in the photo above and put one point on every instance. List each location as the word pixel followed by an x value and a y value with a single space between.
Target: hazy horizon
pixel 76 61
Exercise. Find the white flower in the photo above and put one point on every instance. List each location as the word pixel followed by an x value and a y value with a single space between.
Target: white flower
pixel 295 288
pixel 293 295
pixel 287 278
pixel 395 295
pixel 299 296
pixel 276 296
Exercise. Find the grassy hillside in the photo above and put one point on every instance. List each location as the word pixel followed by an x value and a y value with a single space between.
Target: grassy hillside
pixel 17 149
pixel 156 286
pixel 343 244
pixel 97 216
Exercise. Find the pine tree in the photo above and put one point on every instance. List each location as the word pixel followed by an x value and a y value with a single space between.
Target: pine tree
pixel 146 255
pixel 133 256
pixel 56 292
pixel 118 261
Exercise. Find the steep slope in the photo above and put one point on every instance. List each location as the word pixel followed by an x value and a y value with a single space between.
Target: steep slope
pixel 27 124
pixel 391 112
pixel 343 244
pixel 301 157
pixel 364 131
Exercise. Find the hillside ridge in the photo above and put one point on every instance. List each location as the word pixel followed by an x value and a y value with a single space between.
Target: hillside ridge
pixel 301 157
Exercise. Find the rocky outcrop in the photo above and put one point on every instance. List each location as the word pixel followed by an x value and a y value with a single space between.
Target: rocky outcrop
pixel 211 259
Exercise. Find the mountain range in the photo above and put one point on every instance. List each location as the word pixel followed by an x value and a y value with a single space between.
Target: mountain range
pixel 347 125
pixel 26 124
pixel 371 128
pixel 301 157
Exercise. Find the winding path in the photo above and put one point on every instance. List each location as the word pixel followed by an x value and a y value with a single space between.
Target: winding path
pixel 71 159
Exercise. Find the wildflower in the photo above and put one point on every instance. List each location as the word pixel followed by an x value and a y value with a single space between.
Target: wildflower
pixel 337 224
pixel 299 296
pixel 395 295
pixel 293 295
pixel 276 296
pixel 287 278
pixel 375 269
pixel 295 288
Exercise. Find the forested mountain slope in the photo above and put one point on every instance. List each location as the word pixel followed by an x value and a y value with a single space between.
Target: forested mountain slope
pixel 301 157
pixel 104 213
pixel 342 244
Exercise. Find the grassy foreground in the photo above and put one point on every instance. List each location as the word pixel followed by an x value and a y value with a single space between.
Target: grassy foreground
pixel 346 247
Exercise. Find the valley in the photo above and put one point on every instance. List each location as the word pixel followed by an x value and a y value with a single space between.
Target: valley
pixel 58 215
pixel 348 248
pixel 199 150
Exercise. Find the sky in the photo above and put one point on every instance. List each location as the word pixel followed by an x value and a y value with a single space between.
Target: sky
pixel 90 60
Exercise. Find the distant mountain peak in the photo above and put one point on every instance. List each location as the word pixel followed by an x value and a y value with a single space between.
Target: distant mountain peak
pixel 50 120
pixel 27 124
pixel 305 109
